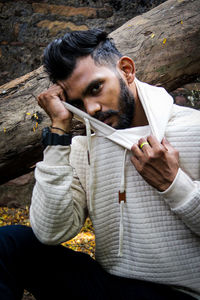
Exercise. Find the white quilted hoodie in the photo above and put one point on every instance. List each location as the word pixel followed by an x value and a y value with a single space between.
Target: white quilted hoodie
pixel 153 236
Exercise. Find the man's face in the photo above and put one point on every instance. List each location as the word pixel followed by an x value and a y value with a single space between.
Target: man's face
pixel 101 92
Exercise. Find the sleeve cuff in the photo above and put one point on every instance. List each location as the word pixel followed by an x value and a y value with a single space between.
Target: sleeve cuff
pixel 180 191
pixel 56 155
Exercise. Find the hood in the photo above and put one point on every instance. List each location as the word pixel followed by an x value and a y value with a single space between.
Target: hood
pixel 157 104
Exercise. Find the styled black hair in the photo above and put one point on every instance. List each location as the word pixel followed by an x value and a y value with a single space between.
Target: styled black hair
pixel 61 55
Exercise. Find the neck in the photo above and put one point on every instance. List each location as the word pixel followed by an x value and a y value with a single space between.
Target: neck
pixel 139 118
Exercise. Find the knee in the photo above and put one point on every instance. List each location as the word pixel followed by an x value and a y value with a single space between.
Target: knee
pixel 14 237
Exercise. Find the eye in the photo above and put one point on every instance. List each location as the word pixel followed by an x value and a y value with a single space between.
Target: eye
pixel 96 88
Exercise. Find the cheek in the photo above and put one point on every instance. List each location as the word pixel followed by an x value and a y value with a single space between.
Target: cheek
pixel 112 99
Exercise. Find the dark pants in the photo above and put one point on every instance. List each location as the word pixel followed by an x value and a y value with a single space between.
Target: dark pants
pixel 57 273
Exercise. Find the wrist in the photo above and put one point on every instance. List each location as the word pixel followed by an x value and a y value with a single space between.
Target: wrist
pixel 168 181
pixel 58 130
pixel 64 125
pixel 180 190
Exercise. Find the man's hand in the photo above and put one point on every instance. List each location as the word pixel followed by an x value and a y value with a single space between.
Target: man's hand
pixel 51 102
pixel 157 163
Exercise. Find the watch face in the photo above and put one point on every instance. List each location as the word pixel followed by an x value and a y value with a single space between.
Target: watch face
pixel 45 131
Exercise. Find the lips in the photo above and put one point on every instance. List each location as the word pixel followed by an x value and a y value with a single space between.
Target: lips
pixel 107 121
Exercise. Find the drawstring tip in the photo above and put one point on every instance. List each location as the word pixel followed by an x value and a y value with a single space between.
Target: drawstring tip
pixel 122 196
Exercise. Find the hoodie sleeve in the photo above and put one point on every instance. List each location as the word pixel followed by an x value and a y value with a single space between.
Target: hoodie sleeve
pixel 58 208
pixel 183 197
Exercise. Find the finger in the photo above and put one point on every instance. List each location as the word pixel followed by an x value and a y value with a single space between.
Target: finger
pixel 39 100
pixel 135 162
pixel 136 151
pixel 155 144
pixel 143 144
pixel 145 148
pixel 166 144
pixel 169 148
pixel 153 140
pixel 62 95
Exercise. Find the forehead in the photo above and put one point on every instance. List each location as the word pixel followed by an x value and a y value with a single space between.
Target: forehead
pixel 84 73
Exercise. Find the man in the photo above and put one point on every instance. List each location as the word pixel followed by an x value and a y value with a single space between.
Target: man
pixel 136 177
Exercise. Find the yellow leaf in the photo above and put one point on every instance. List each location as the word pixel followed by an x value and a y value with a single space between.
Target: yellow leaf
pixel 164 41
pixel 28 114
pixel 4 130
pixel 152 36
pixel 181 21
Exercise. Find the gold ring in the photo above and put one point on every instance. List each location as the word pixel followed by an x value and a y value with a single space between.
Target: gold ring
pixel 145 143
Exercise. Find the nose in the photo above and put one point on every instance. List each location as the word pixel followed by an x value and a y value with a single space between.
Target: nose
pixel 91 106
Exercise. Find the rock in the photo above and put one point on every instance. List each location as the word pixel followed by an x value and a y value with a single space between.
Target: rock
pixel 55 27
pixel 181 100
pixel 188 95
pixel 28 26
pixel 17 192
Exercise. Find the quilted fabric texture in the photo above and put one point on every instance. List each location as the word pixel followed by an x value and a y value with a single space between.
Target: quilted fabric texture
pixel 161 240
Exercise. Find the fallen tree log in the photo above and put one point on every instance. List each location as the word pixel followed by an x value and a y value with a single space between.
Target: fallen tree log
pixel 165 45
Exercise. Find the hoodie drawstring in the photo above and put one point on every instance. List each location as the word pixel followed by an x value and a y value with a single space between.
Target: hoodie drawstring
pixel 122 192
pixel 122 200
pixel 88 132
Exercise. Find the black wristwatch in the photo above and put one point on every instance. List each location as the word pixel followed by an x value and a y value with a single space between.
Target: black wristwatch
pixel 52 139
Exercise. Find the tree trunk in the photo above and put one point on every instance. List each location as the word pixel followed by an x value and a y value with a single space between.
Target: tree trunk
pixel 165 45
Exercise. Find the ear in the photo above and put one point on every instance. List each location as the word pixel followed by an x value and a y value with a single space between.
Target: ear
pixel 127 67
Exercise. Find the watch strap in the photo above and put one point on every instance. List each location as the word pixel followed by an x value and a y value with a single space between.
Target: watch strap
pixel 52 139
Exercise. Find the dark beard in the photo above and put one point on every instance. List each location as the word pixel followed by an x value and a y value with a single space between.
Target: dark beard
pixel 126 108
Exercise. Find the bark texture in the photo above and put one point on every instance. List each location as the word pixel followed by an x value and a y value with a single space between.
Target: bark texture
pixel 165 45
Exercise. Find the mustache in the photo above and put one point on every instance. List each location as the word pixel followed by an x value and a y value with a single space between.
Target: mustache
pixel 102 116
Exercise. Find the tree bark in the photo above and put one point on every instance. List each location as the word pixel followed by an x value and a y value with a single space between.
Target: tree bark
pixel 165 45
